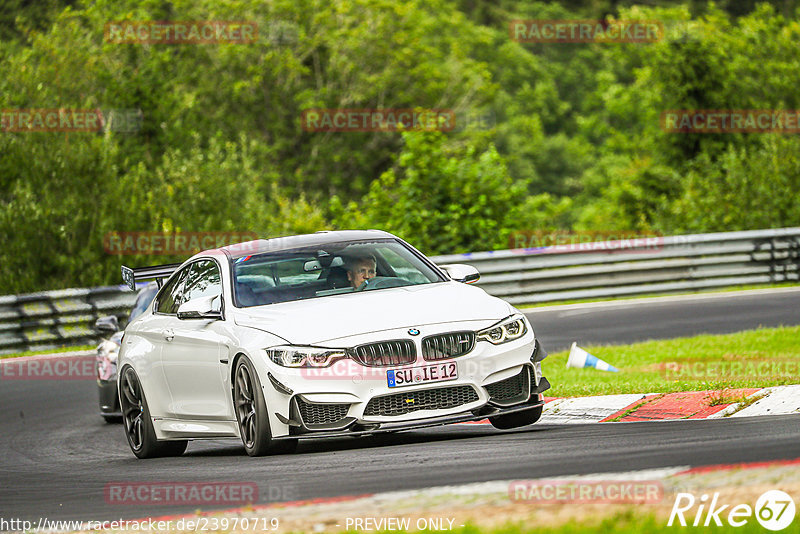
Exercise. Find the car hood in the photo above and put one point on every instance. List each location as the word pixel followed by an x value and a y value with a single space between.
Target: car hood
pixel 323 319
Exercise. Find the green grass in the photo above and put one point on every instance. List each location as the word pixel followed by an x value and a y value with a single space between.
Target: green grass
pixel 641 365
pixel 729 289
pixel 49 351
pixel 631 520
pixel 719 398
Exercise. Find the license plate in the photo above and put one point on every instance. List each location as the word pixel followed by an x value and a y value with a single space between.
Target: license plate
pixel 422 375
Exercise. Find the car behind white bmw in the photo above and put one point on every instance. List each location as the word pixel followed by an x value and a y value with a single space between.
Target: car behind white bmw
pixel 341 333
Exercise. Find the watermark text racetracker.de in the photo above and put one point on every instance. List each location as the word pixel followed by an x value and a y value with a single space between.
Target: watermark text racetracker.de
pixel 377 120
pixel 181 32
pixel 585 31
pixel 585 491
pixel 70 120
pixel 175 243
pixel 392 120
pixel 194 524
pixel 731 370
pixel 559 242
pixel 49 367
pixel 348 369
pixel 181 493
pixel 785 121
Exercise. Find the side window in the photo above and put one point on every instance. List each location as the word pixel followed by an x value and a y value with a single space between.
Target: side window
pixel 169 298
pixel 203 281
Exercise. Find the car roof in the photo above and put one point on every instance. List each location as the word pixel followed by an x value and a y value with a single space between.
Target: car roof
pixel 278 244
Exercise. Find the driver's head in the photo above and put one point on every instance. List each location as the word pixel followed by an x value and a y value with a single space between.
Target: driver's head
pixel 360 269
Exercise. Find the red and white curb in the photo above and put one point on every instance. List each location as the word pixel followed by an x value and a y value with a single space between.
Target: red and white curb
pixel 771 401
pixel 588 409
pixel 777 400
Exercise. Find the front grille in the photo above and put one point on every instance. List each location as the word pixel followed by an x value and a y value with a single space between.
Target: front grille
pixel 426 399
pixel 507 389
pixel 385 353
pixel 449 345
pixel 321 414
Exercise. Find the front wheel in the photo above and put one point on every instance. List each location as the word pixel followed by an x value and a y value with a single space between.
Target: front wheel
pixel 251 414
pixel 139 429
pixel 515 420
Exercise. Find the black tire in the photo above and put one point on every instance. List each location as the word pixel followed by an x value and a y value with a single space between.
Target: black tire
pixel 516 420
pixel 252 415
pixel 139 429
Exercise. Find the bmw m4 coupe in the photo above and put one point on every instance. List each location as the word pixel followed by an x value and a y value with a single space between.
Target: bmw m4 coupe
pixel 332 334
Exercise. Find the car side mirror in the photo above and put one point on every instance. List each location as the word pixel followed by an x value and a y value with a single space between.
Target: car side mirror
pixel 462 273
pixel 201 308
pixel 107 325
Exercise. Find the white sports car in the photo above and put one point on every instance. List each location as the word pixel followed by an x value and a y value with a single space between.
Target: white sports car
pixel 331 334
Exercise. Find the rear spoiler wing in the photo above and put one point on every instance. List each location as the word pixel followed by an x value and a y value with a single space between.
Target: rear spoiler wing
pixel 158 272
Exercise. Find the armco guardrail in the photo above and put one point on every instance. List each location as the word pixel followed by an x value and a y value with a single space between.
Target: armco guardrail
pixel 521 276
pixel 57 318
pixel 635 267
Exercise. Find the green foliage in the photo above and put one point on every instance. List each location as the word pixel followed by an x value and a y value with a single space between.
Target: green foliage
pixel 646 179
pixel 573 141
pixel 443 201
pixel 748 187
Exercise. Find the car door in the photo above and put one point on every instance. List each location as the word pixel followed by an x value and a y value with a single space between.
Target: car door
pixel 192 351
pixel 152 335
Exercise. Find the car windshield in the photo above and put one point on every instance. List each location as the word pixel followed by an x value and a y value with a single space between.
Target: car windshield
pixel 322 271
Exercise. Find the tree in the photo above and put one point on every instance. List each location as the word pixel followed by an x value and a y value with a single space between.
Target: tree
pixel 441 200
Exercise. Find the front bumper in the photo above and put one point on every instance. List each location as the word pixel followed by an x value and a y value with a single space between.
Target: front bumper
pixel 492 380
pixel 366 430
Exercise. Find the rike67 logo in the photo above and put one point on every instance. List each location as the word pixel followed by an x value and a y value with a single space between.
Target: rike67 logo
pixel 774 510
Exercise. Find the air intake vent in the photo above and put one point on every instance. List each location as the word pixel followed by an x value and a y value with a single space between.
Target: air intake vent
pixel 426 399
pixel 511 390
pixel 321 414
pixel 508 388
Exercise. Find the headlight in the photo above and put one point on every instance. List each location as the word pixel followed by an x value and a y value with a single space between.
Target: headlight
pixel 290 356
pixel 508 329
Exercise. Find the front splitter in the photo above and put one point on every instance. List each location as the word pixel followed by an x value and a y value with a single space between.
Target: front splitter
pixel 413 425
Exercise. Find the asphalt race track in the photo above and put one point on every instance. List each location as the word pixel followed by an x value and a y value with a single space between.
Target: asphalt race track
pixel 58 454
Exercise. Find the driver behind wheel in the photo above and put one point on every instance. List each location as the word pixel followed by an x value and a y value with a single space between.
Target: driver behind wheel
pixel 360 269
